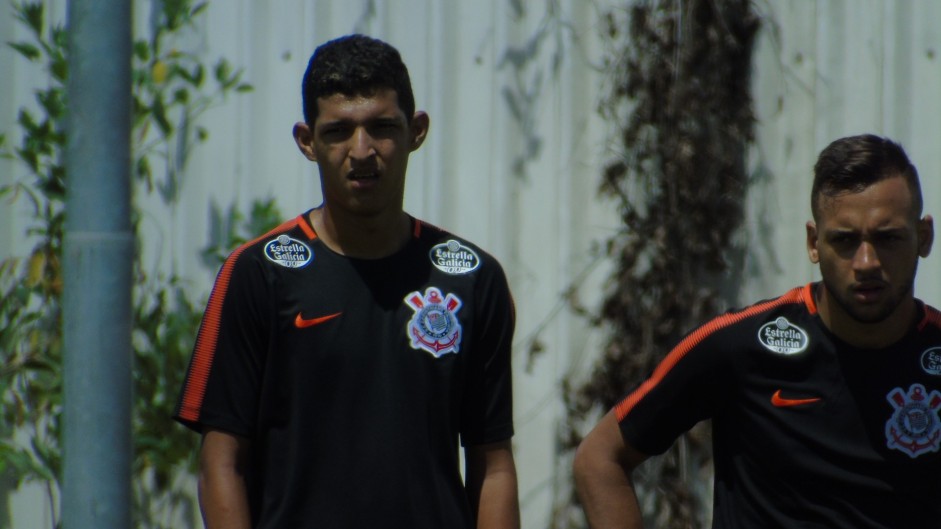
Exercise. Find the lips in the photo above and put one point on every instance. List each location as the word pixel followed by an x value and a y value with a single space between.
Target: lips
pixel 363 176
pixel 363 180
pixel 869 291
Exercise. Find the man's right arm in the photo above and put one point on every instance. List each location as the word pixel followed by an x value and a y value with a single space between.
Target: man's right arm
pixel 223 497
pixel 602 468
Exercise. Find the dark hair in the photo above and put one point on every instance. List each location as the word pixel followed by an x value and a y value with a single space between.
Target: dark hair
pixel 355 65
pixel 851 164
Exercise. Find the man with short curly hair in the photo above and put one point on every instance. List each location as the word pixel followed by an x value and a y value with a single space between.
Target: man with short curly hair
pixel 346 354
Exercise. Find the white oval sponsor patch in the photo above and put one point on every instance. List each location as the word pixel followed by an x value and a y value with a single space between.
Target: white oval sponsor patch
pixel 288 252
pixel 783 337
pixel 452 257
pixel 931 361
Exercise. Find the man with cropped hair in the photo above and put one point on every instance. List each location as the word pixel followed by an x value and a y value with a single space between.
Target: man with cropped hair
pixel 824 401
pixel 345 355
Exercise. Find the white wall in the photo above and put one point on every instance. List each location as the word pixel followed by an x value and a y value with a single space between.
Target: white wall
pixel 524 185
pixel 831 68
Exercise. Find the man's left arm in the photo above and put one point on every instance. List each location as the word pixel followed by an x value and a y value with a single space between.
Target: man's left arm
pixel 490 480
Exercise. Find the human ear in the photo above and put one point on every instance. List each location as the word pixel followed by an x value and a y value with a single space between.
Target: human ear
pixel 812 251
pixel 304 137
pixel 925 235
pixel 418 129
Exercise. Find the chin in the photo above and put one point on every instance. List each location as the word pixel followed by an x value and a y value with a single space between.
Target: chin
pixel 871 316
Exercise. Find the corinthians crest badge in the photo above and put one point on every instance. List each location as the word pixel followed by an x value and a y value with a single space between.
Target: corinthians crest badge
pixel 914 426
pixel 434 326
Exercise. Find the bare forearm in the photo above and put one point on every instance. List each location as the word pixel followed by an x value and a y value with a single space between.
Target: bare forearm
pixel 492 486
pixel 498 507
pixel 223 502
pixel 223 497
pixel 602 468
pixel 607 495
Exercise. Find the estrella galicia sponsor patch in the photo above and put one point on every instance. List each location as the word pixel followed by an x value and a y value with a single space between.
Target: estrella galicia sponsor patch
pixel 914 428
pixel 931 361
pixel 783 337
pixel 288 252
pixel 452 257
pixel 434 327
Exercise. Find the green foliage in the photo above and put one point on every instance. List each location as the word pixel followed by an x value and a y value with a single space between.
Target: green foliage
pixel 170 94
pixel 231 229
pixel 170 91
pixel 31 287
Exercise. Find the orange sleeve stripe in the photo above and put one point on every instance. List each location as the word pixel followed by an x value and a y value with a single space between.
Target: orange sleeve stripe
pixel 807 294
pixel 304 223
pixel 205 349
pixel 624 407
pixel 932 317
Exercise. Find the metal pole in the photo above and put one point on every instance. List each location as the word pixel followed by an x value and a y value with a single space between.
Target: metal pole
pixel 97 264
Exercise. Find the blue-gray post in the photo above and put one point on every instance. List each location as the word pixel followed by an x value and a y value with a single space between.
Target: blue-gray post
pixel 97 260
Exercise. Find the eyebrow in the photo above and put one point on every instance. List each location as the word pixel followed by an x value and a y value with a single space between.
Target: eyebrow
pixel 381 120
pixel 882 230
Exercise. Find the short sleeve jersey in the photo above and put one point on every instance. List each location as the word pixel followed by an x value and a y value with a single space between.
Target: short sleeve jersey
pixel 355 379
pixel 808 431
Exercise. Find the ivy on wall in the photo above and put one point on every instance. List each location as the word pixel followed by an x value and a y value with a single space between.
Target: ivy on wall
pixel 680 79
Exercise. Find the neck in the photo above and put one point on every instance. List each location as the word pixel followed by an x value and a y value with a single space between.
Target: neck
pixel 361 237
pixel 865 335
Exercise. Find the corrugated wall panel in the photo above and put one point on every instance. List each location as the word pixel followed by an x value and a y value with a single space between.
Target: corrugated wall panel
pixel 784 96
pixel 516 149
pixel 827 69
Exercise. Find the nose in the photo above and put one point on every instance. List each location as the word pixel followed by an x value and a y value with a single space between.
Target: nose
pixel 866 258
pixel 361 147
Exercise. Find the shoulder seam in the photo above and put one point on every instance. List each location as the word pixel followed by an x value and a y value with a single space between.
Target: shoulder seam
pixel 932 317
pixel 281 228
pixel 624 407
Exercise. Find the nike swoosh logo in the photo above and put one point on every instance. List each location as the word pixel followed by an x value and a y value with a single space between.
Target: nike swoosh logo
pixel 781 402
pixel 301 323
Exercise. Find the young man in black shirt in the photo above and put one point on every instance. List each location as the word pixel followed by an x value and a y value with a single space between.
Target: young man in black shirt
pixel 824 401
pixel 345 355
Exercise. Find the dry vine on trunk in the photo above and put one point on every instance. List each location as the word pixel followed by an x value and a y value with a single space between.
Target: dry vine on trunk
pixel 680 88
